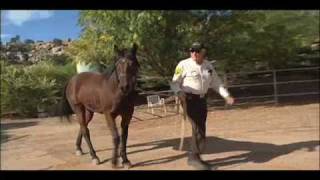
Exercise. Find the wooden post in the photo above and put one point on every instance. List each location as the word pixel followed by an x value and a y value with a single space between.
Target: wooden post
pixel 183 125
pixel 275 88
pixel 225 82
pixel 164 106
pixel 177 106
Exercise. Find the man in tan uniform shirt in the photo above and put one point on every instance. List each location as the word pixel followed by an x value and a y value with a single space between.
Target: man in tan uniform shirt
pixel 192 79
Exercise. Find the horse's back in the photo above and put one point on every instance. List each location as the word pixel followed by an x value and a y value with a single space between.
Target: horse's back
pixel 89 74
pixel 87 78
pixel 85 85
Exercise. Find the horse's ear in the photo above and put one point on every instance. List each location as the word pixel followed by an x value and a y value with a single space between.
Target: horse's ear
pixel 134 48
pixel 117 51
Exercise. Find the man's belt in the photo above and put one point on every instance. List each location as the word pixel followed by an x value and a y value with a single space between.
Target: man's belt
pixel 198 96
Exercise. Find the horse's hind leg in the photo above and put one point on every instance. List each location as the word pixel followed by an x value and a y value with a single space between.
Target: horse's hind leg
pixel 78 144
pixel 79 151
pixel 82 115
pixel 86 134
pixel 116 140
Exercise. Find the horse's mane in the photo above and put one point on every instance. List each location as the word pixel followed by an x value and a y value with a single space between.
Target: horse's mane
pixel 125 53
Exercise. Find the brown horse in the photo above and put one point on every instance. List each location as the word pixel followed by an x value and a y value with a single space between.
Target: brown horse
pixel 111 95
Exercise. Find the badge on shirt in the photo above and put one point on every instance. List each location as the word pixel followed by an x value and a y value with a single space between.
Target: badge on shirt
pixel 194 73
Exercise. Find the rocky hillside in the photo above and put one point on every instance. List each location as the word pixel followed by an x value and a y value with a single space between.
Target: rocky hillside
pixel 18 52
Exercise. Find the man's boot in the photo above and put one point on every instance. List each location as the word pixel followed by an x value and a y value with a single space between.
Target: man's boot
pixel 195 161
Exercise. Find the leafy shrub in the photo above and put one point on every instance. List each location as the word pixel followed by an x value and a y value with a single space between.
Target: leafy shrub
pixel 29 89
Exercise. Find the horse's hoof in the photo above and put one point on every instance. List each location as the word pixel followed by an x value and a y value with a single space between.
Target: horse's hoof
pixel 114 163
pixel 79 153
pixel 95 161
pixel 127 165
pixel 214 168
pixel 114 166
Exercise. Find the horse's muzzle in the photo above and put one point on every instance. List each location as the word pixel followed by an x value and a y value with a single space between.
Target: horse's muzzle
pixel 125 89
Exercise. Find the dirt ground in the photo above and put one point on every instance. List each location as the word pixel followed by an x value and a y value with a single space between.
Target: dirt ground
pixel 257 138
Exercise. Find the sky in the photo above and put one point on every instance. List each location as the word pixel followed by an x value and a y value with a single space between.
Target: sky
pixel 42 25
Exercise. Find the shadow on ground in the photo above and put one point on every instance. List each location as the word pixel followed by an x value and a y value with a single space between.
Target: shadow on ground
pixel 257 152
pixel 5 137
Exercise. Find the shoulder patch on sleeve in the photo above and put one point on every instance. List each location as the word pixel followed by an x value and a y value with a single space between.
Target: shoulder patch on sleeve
pixel 178 71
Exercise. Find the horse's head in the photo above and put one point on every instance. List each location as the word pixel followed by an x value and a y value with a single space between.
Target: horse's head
pixel 126 68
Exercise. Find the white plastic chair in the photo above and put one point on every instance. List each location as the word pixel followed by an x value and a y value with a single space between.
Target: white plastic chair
pixel 156 101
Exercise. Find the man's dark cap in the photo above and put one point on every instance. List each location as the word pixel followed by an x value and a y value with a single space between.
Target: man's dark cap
pixel 196 47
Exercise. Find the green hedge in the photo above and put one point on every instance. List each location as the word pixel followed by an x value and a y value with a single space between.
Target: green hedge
pixel 26 90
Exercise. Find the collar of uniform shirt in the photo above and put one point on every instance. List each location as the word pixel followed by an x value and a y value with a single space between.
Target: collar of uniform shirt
pixel 198 62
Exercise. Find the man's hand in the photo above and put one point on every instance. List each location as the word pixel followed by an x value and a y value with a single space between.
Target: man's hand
pixel 230 100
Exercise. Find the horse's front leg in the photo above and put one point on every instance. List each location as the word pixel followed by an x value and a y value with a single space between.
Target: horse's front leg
pixel 116 103
pixel 126 118
pixel 116 140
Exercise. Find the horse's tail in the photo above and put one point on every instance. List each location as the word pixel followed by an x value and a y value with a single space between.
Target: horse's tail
pixel 64 108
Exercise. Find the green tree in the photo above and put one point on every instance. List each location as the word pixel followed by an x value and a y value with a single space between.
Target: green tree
pixel 238 40
pixel 15 39
pixel 272 38
pixel 57 42
pixel 29 41
pixel 158 34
